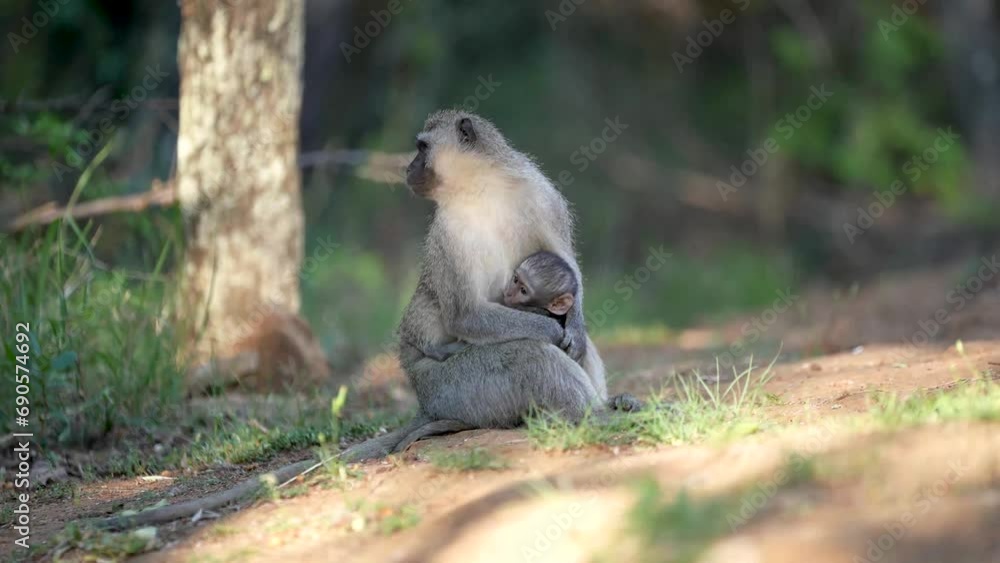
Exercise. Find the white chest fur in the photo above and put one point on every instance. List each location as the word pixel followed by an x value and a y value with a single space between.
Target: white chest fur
pixel 493 233
pixel 493 239
pixel 494 220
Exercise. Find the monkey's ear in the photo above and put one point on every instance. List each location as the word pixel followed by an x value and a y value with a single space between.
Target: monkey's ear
pixel 466 132
pixel 561 304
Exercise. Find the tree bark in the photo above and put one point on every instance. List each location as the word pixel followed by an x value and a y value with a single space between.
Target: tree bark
pixel 238 185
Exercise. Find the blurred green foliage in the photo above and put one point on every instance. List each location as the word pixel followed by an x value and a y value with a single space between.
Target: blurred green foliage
pixel 885 111
pixel 101 352
pixel 351 303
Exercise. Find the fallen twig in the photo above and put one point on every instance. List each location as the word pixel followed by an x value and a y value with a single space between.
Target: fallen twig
pixel 370 165
pixel 393 442
pixel 161 194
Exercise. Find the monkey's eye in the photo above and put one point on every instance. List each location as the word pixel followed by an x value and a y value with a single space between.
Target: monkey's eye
pixel 421 145
pixel 515 278
pixel 523 291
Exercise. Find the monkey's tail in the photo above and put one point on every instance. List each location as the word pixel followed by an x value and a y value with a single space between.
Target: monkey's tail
pixel 398 440
pixel 434 428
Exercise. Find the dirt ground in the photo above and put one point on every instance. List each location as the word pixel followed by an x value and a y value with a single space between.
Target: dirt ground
pixel 925 494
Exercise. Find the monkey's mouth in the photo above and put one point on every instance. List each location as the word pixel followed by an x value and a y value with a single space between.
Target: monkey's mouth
pixel 419 188
pixel 420 182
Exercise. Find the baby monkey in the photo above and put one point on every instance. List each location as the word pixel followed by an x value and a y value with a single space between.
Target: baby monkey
pixel 543 284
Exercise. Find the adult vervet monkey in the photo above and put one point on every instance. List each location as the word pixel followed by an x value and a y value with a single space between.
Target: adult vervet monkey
pixel 494 209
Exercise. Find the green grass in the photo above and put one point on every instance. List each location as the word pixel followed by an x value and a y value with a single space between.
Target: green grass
pixel 975 400
pixel 681 527
pixel 403 518
pixel 677 529
pixel 105 546
pixel 699 411
pixel 245 443
pixel 222 531
pixel 475 459
pixel 383 519
pixel 103 338
pixel 101 351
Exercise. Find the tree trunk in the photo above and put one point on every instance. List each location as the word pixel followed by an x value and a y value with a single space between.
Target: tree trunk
pixel 239 189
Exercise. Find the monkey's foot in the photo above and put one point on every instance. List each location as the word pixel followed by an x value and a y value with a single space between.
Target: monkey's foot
pixel 625 402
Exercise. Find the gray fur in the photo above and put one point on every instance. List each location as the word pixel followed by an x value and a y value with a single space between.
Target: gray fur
pixel 398 440
pixel 545 275
pixel 515 362
pixel 444 351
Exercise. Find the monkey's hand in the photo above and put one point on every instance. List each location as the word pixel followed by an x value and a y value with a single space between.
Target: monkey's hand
pixel 574 340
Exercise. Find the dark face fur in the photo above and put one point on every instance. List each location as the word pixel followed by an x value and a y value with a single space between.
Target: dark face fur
pixel 419 175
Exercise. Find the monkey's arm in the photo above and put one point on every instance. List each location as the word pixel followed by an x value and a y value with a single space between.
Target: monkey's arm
pixel 493 323
pixel 532 310
pixel 442 352
pixel 574 341
pixel 466 313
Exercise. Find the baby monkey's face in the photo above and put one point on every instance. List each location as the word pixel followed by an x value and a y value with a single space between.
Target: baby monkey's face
pixel 519 291
pixel 525 290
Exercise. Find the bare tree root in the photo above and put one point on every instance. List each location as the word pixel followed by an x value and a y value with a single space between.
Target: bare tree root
pixel 211 502
pixel 381 446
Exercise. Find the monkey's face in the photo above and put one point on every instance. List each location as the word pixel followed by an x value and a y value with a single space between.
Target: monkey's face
pixel 519 290
pixel 454 151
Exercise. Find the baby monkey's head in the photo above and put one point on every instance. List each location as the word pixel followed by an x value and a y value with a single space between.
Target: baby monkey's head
pixel 544 281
